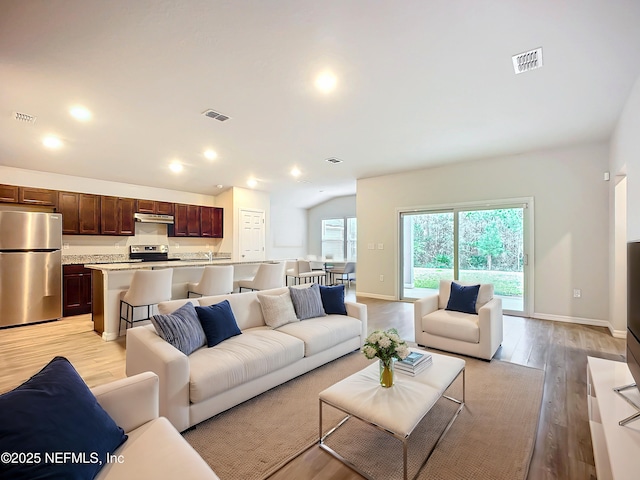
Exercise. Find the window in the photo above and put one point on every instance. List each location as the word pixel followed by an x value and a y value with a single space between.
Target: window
pixel 339 239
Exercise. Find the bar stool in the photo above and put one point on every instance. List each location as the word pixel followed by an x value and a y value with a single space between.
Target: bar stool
pixel 148 288
pixel 269 275
pixel 344 272
pixel 215 280
pixel 306 273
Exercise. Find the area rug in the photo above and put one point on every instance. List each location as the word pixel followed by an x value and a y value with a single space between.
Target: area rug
pixel 492 438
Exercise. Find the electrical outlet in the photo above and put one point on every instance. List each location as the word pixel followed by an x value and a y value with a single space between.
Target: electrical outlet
pixel 177 245
pixel 371 246
pixel 381 246
pixel 382 278
pixel 65 246
pixel 577 293
pixel 116 245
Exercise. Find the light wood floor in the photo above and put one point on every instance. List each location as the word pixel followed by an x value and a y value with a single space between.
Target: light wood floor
pixel 563 443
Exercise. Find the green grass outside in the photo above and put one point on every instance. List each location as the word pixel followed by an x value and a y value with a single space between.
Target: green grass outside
pixel 504 283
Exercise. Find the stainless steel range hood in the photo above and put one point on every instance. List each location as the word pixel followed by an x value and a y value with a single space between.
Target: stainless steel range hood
pixel 153 218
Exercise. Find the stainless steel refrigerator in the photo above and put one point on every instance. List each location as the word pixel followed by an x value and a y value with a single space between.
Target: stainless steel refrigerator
pixel 30 267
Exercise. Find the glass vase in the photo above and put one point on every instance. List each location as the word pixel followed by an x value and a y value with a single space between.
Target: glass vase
pixel 386 373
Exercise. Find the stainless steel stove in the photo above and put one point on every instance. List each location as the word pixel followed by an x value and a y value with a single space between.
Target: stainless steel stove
pixel 150 253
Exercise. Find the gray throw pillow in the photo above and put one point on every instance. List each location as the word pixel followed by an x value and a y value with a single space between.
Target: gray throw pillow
pixel 307 302
pixel 277 310
pixel 182 329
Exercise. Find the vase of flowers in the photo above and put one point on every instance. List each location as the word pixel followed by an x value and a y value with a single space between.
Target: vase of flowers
pixel 388 347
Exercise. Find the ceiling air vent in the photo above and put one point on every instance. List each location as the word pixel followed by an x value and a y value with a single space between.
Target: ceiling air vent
pixel 334 160
pixel 523 62
pixel 24 117
pixel 216 115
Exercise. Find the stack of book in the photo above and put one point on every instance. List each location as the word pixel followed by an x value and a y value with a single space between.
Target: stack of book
pixel 415 363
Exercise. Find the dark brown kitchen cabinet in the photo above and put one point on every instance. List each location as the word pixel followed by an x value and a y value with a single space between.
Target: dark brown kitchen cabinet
pixel 211 222
pixel 127 209
pixel 37 196
pixel 9 193
pixel 186 221
pixel 154 206
pixel 116 216
pixel 218 222
pixel 164 208
pixel 76 290
pixel 89 213
pixel 80 213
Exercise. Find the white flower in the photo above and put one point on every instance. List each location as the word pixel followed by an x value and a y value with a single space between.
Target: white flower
pixel 395 337
pixel 385 342
pixel 403 351
pixel 369 352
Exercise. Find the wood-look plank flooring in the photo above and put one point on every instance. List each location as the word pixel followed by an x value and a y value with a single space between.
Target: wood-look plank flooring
pixel 563 444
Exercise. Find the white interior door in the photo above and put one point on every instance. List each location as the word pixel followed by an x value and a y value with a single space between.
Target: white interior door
pixel 252 235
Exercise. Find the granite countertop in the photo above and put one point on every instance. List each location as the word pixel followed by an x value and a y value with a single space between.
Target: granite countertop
pixel 123 258
pixel 140 264
pixel 110 267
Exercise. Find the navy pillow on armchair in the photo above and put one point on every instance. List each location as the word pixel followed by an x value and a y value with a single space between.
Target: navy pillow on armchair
pixel 55 413
pixel 463 298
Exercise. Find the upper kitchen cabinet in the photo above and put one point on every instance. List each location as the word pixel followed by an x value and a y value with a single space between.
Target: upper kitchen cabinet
pixel 117 216
pixel 186 221
pixel 80 213
pixel 153 206
pixel 9 193
pixel 211 222
pixel 28 195
pixel 37 196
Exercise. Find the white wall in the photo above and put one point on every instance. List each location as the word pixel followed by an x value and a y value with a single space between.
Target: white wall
pixel 339 207
pixel 571 218
pixel 625 210
pixel 54 181
pixel 625 158
pixel 288 233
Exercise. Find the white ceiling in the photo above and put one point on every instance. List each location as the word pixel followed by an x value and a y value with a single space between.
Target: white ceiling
pixel 420 83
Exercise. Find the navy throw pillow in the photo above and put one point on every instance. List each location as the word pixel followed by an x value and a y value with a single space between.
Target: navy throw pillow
pixel 333 300
pixel 463 298
pixel 51 415
pixel 218 322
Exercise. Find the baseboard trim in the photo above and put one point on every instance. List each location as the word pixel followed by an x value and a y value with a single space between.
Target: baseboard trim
pixel 582 321
pixel 617 333
pixel 376 295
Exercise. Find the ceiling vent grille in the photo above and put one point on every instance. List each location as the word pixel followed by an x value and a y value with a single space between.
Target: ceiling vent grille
pixel 523 62
pixel 216 115
pixel 334 160
pixel 24 117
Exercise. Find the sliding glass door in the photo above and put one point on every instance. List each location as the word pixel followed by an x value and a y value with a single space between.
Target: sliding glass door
pixel 483 244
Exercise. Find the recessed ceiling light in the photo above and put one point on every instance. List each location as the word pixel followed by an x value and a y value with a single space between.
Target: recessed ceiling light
pixel 80 113
pixel 52 142
pixel 295 171
pixel 218 186
pixel 326 82
pixel 210 154
pixel 252 182
pixel 175 166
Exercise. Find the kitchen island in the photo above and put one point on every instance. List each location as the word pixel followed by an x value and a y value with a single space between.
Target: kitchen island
pixel 109 280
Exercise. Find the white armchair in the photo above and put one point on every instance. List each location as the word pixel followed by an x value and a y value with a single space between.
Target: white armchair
pixel 477 335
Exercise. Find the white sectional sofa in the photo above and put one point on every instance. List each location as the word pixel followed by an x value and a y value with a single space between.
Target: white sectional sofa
pixel 154 448
pixel 210 380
